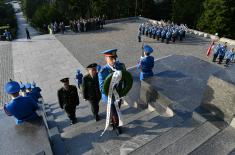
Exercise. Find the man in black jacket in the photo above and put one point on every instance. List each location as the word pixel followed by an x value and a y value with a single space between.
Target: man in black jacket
pixel 91 91
pixel 68 99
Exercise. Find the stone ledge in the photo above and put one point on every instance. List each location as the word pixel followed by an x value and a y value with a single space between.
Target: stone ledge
pixel 219 97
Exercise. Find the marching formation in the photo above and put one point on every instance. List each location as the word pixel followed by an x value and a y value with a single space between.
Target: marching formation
pixel 165 32
pixel 221 52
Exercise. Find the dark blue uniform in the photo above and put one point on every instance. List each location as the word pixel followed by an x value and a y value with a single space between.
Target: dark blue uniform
pixel 22 108
pixel 104 72
pixel 146 63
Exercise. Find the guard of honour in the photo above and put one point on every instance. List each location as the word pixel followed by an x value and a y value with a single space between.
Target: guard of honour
pixel 26 98
pixel 221 52
pixel 168 32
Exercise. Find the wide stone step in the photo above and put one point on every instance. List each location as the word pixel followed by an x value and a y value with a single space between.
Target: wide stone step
pixel 162 126
pixel 126 110
pixel 175 129
pixel 87 120
pixel 81 140
pixel 221 144
pixel 191 140
pixel 109 142
pixel 83 113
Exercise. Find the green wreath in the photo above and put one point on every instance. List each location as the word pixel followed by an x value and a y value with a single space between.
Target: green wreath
pixel 127 83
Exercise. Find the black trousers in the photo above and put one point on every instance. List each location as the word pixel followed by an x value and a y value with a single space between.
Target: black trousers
pixel 28 36
pixel 227 61
pixel 215 57
pixel 114 115
pixel 94 107
pixel 221 59
pixel 139 38
pixel 71 112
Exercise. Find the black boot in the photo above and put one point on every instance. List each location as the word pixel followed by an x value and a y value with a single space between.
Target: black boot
pixel 119 130
pixel 97 118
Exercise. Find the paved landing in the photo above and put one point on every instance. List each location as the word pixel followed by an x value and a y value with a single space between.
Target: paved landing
pixel 85 47
pixel 45 61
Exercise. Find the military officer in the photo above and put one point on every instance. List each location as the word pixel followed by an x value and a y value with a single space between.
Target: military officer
pixel 229 56
pixel 216 52
pixel 222 51
pixel 168 36
pixel 158 33
pixel 22 89
pixel 91 90
pixel 139 36
pixel 146 63
pixel 29 91
pixel 174 35
pixel 112 63
pixel 163 35
pixel 79 77
pixel 37 91
pixel 68 99
pixel 22 108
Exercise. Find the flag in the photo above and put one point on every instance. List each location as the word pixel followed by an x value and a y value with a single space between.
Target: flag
pixel 209 50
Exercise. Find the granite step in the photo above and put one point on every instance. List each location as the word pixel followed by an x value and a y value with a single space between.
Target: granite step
pixel 222 143
pixel 109 142
pixel 176 129
pixel 232 152
pixel 162 125
pixel 126 111
pixel 191 140
pixel 81 140
pixel 82 122
pixel 83 114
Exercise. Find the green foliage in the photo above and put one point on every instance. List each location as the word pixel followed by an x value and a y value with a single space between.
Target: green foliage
pixel 206 15
pixel 7 17
pixel 187 11
pixel 30 6
pixel 218 17
pixel 45 15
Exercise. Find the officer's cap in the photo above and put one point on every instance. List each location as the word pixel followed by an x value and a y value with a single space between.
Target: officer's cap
pixel 33 84
pixel 12 87
pixel 22 86
pixel 110 52
pixel 93 65
pixel 28 86
pixel 148 49
pixel 78 71
pixel 64 80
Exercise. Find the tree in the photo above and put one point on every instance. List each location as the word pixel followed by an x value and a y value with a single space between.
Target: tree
pixel 187 11
pixel 218 17
pixel 7 18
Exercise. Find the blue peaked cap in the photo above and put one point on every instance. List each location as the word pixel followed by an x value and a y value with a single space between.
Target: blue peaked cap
pixel 148 49
pixel 28 85
pixel 22 86
pixel 12 87
pixel 110 52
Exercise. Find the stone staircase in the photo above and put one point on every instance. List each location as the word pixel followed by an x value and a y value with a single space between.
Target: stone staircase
pixel 192 130
pixel 146 132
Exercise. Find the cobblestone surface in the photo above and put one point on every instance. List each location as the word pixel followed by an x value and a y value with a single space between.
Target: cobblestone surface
pixel 6 70
pixel 85 47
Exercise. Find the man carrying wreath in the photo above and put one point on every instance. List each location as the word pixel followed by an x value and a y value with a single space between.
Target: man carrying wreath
pixel 113 104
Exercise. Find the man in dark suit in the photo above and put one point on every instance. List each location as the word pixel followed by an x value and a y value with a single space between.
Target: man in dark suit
pixel 68 99
pixel 91 91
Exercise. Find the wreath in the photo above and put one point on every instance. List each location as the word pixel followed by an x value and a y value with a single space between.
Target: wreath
pixel 127 81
